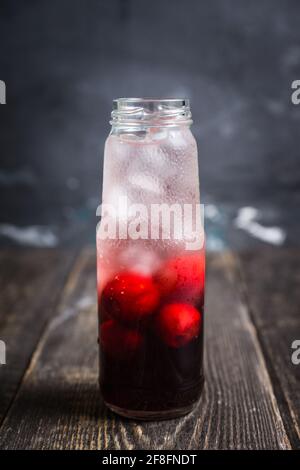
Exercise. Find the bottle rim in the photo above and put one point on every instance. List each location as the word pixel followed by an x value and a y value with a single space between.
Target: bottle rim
pixel 151 112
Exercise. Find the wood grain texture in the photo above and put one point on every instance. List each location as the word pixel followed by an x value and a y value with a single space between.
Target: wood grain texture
pixel 59 407
pixel 30 283
pixel 271 281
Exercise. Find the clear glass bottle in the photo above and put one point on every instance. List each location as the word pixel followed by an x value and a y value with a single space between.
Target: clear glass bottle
pixel 151 262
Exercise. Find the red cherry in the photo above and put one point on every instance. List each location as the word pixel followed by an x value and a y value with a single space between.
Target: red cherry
pixel 182 277
pixel 118 341
pixel 130 297
pixel 178 324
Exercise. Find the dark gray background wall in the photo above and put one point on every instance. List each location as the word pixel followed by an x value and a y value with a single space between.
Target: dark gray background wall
pixel 64 61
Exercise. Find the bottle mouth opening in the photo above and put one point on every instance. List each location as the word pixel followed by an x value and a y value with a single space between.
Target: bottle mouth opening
pixel 151 112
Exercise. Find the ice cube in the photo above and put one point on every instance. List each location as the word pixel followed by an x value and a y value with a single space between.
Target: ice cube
pixel 140 258
pixel 158 134
pixel 145 182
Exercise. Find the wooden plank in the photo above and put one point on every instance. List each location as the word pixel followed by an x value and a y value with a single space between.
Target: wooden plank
pixel 30 283
pixel 58 405
pixel 271 285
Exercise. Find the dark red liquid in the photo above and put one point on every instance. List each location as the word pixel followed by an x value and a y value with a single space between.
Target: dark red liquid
pixel 158 378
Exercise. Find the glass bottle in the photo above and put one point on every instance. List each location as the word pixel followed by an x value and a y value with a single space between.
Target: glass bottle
pixel 151 262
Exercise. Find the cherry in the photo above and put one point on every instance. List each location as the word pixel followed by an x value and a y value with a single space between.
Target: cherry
pixel 177 324
pixel 118 341
pixel 182 277
pixel 130 297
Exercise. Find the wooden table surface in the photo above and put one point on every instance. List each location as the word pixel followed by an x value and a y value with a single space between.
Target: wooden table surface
pixel 49 396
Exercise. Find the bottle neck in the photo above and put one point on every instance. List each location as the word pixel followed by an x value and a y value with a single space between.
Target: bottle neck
pixel 134 114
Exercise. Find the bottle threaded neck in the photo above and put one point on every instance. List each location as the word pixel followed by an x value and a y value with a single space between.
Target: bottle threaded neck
pixel 149 112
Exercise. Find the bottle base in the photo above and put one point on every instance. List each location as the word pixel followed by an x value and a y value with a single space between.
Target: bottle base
pixel 151 415
pixel 157 415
